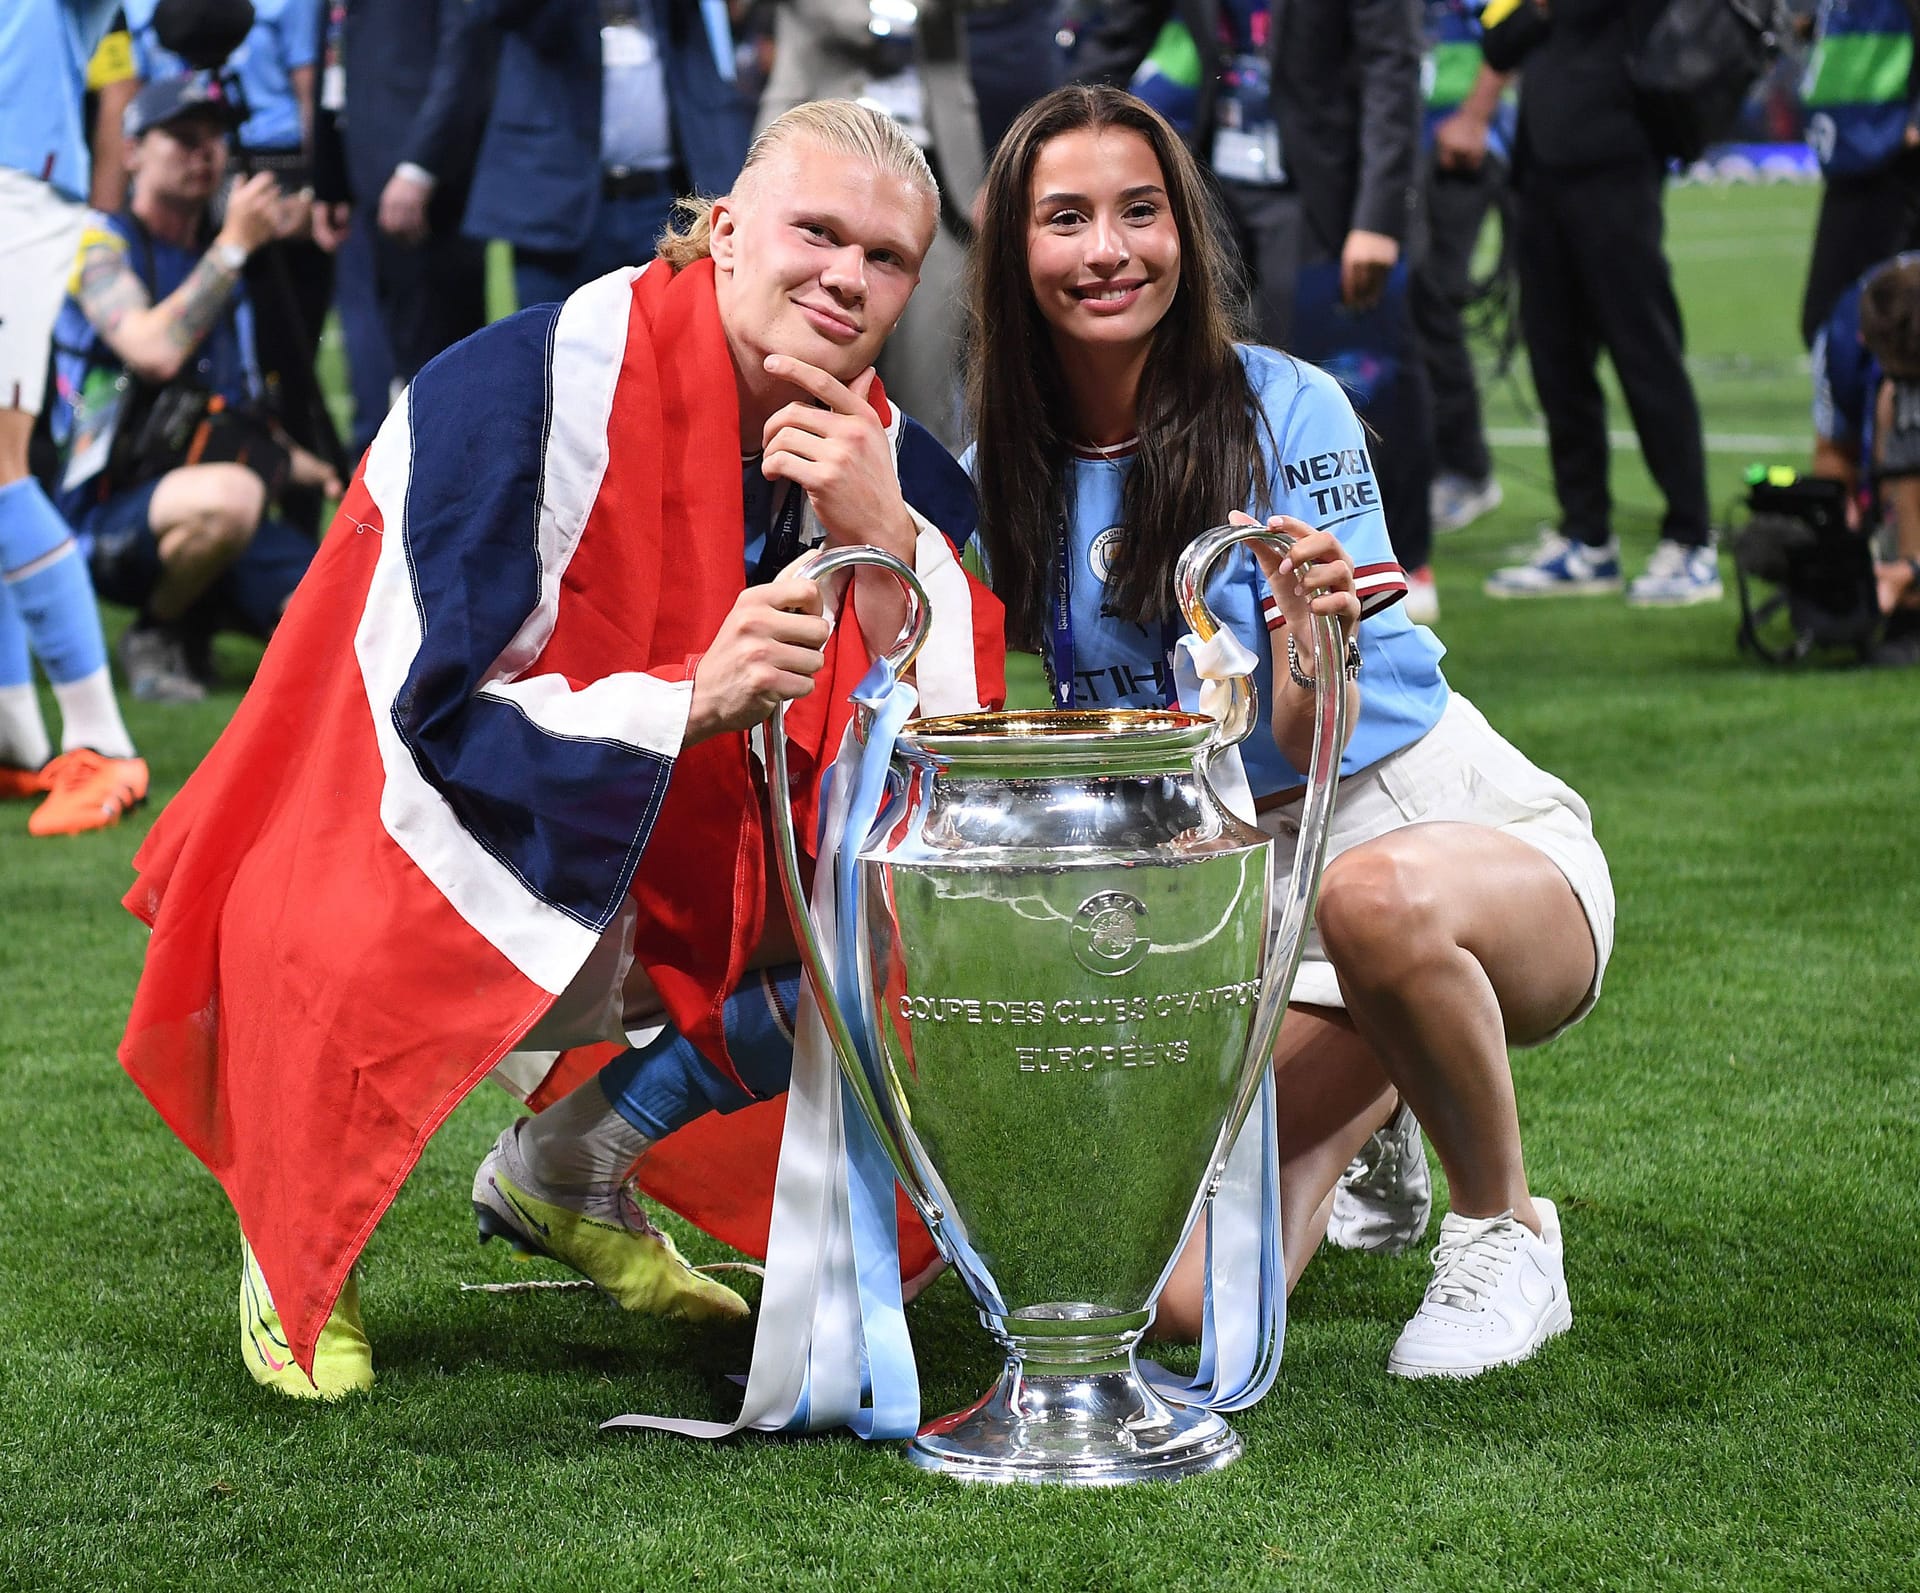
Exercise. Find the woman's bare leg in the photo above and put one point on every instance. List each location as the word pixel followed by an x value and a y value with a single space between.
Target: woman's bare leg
pixel 1453 941
pixel 1332 1095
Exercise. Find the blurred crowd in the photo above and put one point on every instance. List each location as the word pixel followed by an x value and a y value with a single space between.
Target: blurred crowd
pixel 178 224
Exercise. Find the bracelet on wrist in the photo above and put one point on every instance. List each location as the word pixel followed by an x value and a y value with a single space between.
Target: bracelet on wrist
pixel 1349 665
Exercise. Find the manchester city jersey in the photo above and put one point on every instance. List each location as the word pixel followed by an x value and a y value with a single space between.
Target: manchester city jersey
pixel 44 48
pixel 1319 470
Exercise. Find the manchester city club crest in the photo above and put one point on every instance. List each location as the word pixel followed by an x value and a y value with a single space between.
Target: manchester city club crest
pixel 1100 553
pixel 1108 933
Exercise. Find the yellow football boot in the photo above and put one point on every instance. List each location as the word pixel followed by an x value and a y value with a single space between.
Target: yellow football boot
pixel 343 1361
pixel 628 1257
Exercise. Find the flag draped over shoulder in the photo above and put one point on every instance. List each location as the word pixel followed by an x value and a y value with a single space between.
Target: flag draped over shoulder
pixel 443 785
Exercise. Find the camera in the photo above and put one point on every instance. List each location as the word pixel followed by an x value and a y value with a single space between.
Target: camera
pixel 1797 541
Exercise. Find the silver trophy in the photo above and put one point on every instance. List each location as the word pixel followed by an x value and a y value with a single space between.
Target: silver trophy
pixel 1074 975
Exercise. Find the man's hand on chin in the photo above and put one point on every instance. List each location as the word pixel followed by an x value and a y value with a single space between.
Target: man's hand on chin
pixel 836 450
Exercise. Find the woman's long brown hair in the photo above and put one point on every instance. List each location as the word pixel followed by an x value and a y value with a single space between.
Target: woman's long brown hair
pixel 1197 416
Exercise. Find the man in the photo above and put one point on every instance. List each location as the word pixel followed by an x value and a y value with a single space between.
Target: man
pixel 1866 417
pixel 399 112
pixel 1862 95
pixel 1308 113
pixel 188 545
pixel 46 602
pixel 290 281
pixel 1594 275
pixel 492 780
pixel 604 112
pixel 1466 176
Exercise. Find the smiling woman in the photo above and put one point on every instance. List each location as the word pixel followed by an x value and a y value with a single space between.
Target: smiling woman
pixel 1156 357
pixel 1465 905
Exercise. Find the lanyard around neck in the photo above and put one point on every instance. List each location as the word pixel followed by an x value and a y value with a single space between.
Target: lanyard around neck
pixel 1060 650
pixel 783 537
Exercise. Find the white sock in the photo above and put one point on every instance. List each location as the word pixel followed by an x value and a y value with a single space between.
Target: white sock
pixel 580 1150
pixel 89 716
pixel 23 733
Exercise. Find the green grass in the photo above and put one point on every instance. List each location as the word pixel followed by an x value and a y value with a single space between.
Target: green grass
pixel 1731 1138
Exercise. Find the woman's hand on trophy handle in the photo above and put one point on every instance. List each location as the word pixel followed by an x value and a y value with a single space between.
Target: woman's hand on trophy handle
pixel 1326 588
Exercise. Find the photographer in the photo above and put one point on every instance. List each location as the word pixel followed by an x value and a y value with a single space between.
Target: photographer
pixel 270 76
pixel 171 461
pixel 1866 415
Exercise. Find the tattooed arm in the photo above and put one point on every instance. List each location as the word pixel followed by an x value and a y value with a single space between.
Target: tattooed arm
pixel 156 340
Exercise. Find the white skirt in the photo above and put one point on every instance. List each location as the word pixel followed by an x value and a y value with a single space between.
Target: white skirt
pixel 1461 771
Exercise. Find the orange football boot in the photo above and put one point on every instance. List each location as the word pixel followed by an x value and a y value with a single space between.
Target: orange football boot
pixel 88 792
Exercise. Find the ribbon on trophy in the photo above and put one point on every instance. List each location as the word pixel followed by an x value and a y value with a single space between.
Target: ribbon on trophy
pixel 831 1347
pixel 1244 1324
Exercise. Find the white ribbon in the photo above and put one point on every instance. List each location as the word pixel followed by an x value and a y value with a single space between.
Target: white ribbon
pixel 829 1345
pixel 1244 1325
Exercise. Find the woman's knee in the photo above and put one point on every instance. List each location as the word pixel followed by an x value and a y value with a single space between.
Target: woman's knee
pixel 1379 911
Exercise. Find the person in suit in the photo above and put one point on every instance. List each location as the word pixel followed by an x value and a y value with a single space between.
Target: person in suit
pixel 1308 114
pixel 918 74
pixel 1593 273
pixel 399 113
pixel 604 113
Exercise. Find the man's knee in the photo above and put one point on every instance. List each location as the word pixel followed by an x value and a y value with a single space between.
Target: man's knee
pixel 1378 912
pixel 205 509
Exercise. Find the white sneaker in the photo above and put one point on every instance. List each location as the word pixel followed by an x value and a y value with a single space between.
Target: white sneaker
pixel 1676 577
pixel 1384 1200
pixel 1457 501
pixel 1559 567
pixel 1497 1295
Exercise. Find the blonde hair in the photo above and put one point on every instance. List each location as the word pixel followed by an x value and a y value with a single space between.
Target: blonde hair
pixel 843 127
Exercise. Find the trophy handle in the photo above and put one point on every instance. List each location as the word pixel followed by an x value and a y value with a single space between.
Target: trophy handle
pixel 773 744
pixel 1323 776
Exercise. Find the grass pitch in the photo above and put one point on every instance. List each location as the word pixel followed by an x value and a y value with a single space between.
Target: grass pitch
pixel 1731 1138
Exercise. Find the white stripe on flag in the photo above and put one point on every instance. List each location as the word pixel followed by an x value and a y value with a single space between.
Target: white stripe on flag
pixel 544 944
pixel 945 675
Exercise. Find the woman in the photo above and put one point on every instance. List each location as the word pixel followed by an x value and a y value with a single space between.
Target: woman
pixel 1465 906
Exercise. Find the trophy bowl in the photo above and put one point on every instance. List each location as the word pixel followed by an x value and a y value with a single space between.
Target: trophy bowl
pixel 1072 972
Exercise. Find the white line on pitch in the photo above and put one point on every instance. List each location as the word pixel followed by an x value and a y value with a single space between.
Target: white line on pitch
pixel 1718 442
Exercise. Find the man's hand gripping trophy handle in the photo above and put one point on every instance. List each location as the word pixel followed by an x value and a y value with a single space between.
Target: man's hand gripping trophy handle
pixel 767 651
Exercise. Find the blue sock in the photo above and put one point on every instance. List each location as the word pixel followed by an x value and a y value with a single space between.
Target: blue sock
pixel 47 579
pixel 668 1084
pixel 16 663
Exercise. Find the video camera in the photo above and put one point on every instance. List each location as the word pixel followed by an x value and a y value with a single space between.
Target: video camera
pixel 1797 541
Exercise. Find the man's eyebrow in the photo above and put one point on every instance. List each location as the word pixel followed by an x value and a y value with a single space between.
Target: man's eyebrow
pixel 839 227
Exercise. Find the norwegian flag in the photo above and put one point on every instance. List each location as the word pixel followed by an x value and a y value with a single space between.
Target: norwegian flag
pixel 452 772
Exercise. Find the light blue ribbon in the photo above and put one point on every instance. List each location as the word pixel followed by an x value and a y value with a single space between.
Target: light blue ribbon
pixel 1244 1322
pixel 889 1402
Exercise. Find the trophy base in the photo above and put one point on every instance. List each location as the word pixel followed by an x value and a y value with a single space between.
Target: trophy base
pixel 1094 1430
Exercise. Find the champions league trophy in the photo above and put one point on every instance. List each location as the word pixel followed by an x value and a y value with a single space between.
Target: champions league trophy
pixel 1073 979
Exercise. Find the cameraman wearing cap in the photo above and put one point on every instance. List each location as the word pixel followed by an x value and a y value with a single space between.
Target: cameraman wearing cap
pixel 171 459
